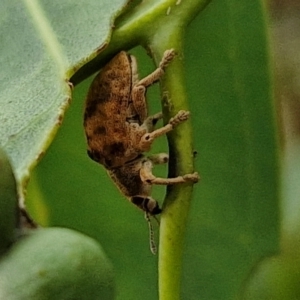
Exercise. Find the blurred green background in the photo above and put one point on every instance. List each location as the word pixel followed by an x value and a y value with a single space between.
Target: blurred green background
pixel 234 219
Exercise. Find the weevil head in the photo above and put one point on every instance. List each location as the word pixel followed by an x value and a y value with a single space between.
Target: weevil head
pixel 147 204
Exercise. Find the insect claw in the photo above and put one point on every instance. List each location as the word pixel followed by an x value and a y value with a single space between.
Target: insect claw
pixel 181 116
pixel 192 177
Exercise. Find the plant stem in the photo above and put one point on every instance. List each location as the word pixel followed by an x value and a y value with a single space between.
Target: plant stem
pixel 177 202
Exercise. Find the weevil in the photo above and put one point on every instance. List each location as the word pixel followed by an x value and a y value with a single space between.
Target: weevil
pixel 119 130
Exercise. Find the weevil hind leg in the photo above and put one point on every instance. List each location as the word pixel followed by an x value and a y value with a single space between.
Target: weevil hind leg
pixel 148 177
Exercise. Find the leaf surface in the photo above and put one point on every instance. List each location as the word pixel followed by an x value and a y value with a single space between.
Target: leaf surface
pixel 43 44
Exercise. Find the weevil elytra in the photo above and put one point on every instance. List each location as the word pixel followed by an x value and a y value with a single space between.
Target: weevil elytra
pixel 118 129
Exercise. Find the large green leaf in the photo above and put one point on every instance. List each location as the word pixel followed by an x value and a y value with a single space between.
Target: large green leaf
pixel 8 204
pixel 278 277
pixel 42 44
pixel 234 217
pixel 235 220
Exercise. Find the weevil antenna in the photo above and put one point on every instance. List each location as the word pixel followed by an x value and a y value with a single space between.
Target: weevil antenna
pixel 151 234
pixel 156 219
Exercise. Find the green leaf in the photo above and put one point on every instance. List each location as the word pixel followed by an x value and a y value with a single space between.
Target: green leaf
pixel 278 277
pixel 8 204
pixel 42 46
pixel 235 217
pixel 56 263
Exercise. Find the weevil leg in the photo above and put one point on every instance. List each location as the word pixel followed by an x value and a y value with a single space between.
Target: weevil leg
pixel 148 177
pixel 139 86
pixel 148 138
pixel 139 101
pixel 156 74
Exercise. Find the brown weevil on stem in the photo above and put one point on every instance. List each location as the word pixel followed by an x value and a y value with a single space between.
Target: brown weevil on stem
pixel 118 130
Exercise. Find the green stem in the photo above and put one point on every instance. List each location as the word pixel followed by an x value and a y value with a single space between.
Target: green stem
pixel 177 203
pixel 168 33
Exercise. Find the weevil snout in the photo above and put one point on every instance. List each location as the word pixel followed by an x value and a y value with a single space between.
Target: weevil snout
pixel 147 204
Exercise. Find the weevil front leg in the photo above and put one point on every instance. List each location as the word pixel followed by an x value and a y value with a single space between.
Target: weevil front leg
pixel 148 177
pixel 148 138
pixel 139 86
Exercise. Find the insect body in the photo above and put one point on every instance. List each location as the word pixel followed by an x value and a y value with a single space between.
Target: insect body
pixel 116 119
pixel 118 129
